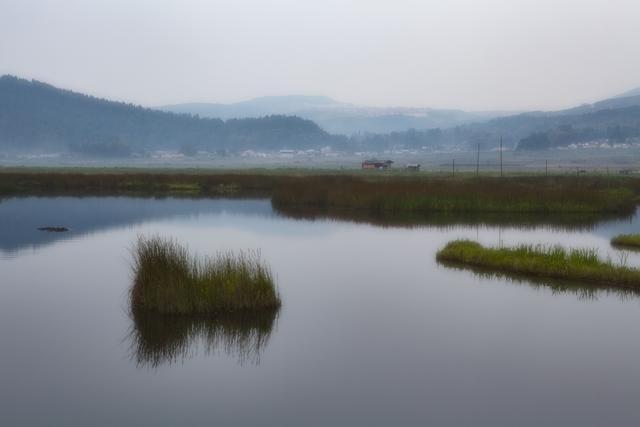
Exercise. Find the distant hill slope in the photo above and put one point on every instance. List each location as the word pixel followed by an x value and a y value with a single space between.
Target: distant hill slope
pixel 549 131
pixel 37 116
pixel 628 99
pixel 632 92
pixel 614 119
pixel 337 117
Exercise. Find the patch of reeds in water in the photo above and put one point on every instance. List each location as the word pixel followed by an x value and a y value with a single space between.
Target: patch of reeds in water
pixel 481 195
pixel 554 262
pixel 626 241
pixel 169 280
pixel 348 190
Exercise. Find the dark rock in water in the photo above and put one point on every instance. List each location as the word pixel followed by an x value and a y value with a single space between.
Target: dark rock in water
pixel 54 229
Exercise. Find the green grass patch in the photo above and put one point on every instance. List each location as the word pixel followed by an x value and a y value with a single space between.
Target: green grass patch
pixel 627 240
pixel 553 262
pixel 169 280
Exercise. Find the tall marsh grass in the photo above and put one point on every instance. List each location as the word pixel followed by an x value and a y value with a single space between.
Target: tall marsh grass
pixel 524 195
pixel 349 190
pixel 626 240
pixel 169 280
pixel 555 262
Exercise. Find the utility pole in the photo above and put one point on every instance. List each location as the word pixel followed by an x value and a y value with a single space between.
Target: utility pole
pixel 453 168
pixel 501 156
pixel 478 162
pixel 546 168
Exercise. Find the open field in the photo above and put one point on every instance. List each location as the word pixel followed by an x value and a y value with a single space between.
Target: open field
pixel 552 262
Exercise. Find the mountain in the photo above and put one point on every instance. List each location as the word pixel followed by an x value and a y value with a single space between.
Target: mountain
pixel 39 118
pixel 629 93
pixel 627 99
pixel 258 107
pixel 335 116
pixel 35 116
pixel 615 120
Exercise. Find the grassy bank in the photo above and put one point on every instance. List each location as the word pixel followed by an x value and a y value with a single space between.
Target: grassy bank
pixel 169 280
pixel 580 265
pixel 626 240
pixel 290 189
pixel 513 195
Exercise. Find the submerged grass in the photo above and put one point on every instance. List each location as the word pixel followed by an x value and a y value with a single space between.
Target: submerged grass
pixel 627 240
pixel 554 262
pixel 169 280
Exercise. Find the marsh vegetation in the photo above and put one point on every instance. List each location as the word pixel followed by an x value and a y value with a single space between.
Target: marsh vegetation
pixel 169 280
pixel 631 241
pixel 553 262
pixel 387 193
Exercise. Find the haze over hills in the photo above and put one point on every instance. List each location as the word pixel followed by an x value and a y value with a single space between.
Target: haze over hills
pixel 38 118
pixel 338 117
pixel 35 116
pixel 381 128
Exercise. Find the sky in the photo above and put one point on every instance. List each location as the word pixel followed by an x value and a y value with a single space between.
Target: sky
pixel 467 54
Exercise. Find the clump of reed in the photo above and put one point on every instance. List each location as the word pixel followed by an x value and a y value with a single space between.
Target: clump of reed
pixel 169 280
pixel 554 262
pixel 626 240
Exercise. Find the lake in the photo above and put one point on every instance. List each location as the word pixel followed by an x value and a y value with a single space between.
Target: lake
pixel 372 331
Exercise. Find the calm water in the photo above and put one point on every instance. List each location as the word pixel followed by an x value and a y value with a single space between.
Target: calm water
pixel 372 331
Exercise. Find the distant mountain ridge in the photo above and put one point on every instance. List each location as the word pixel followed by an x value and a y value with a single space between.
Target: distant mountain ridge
pixel 632 92
pixel 37 116
pixel 335 116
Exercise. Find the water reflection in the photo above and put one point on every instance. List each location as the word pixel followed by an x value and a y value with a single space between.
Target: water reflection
pixel 583 291
pixel 158 339
pixel 20 218
pixel 559 221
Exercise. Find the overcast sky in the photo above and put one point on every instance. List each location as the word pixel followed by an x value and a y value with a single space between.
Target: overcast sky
pixel 470 54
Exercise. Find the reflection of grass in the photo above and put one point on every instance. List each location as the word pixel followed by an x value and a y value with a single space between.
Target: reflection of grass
pixel 169 281
pixel 584 292
pixel 627 240
pixel 157 339
pixel 560 221
pixel 555 262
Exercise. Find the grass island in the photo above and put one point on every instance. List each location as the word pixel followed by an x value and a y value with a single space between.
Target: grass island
pixel 552 262
pixel 631 241
pixel 169 280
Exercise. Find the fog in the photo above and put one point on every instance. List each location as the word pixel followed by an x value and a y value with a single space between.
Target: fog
pixel 470 54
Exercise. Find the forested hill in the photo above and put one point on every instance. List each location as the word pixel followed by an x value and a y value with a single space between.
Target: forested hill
pixel 35 116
